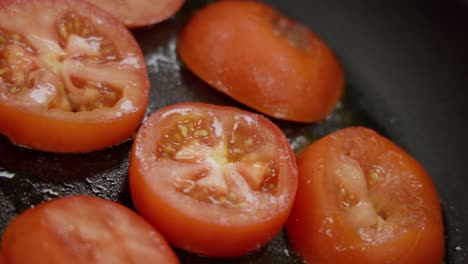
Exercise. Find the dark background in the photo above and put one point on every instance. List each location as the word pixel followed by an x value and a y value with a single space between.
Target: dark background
pixel 406 65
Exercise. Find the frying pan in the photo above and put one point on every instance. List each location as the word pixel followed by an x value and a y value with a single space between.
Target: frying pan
pixel 406 65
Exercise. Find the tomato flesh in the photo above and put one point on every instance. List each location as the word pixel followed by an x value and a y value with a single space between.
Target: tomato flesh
pixel 363 199
pixel 202 173
pixel 71 79
pixel 81 229
pixel 285 71
pixel 137 13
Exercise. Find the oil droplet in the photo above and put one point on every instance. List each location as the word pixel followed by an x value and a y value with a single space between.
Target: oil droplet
pixel 98 189
pixel 459 248
pixel 6 174
pixel 50 192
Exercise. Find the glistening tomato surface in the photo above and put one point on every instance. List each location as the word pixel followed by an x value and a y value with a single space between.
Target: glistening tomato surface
pixel 72 78
pixel 81 229
pixel 135 13
pixel 262 59
pixel 217 181
pixel 362 199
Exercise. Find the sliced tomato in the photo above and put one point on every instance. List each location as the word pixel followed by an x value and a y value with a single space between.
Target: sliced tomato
pixel 262 59
pixel 72 78
pixel 82 229
pixel 362 199
pixel 136 13
pixel 217 181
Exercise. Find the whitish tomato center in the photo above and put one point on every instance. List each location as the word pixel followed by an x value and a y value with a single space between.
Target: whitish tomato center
pixel 50 74
pixel 231 167
pixel 356 190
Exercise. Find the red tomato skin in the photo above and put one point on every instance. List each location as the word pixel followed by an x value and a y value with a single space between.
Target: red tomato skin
pixel 77 132
pixel 310 213
pixel 30 239
pixel 38 131
pixel 232 46
pixel 2 258
pixel 123 11
pixel 202 233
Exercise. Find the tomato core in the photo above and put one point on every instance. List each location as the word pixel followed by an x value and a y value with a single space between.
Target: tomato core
pixel 22 68
pixel 195 139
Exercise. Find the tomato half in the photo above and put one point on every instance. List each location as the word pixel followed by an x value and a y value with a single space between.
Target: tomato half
pixel 72 78
pixel 136 13
pixel 217 181
pixel 262 59
pixel 362 199
pixel 82 229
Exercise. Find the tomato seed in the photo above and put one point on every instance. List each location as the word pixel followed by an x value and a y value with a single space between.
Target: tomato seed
pixel 77 25
pixel 242 205
pixel 343 192
pixel 62 31
pixel 30 80
pixel 14 89
pixel 84 32
pixel 177 138
pixel 107 50
pixel 3 70
pixel 184 131
pixel 201 133
pixel 15 36
pixel 374 178
pixel 69 26
pixel 348 198
pixel 232 196
pixel 169 149
pixel 223 200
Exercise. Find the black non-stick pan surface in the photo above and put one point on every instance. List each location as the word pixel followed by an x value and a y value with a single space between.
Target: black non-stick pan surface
pixel 406 64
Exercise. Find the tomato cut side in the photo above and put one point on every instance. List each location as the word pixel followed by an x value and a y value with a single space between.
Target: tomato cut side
pixel 72 78
pixel 362 199
pixel 81 229
pixel 136 13
pixel 262 59
pixel 217 181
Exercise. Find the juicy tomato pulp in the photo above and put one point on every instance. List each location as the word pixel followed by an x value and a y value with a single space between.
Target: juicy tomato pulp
pixel 81 229
pixel 217 181
pixel 285 70
pixel 135 13
pixel 72 78
pixel 362 199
